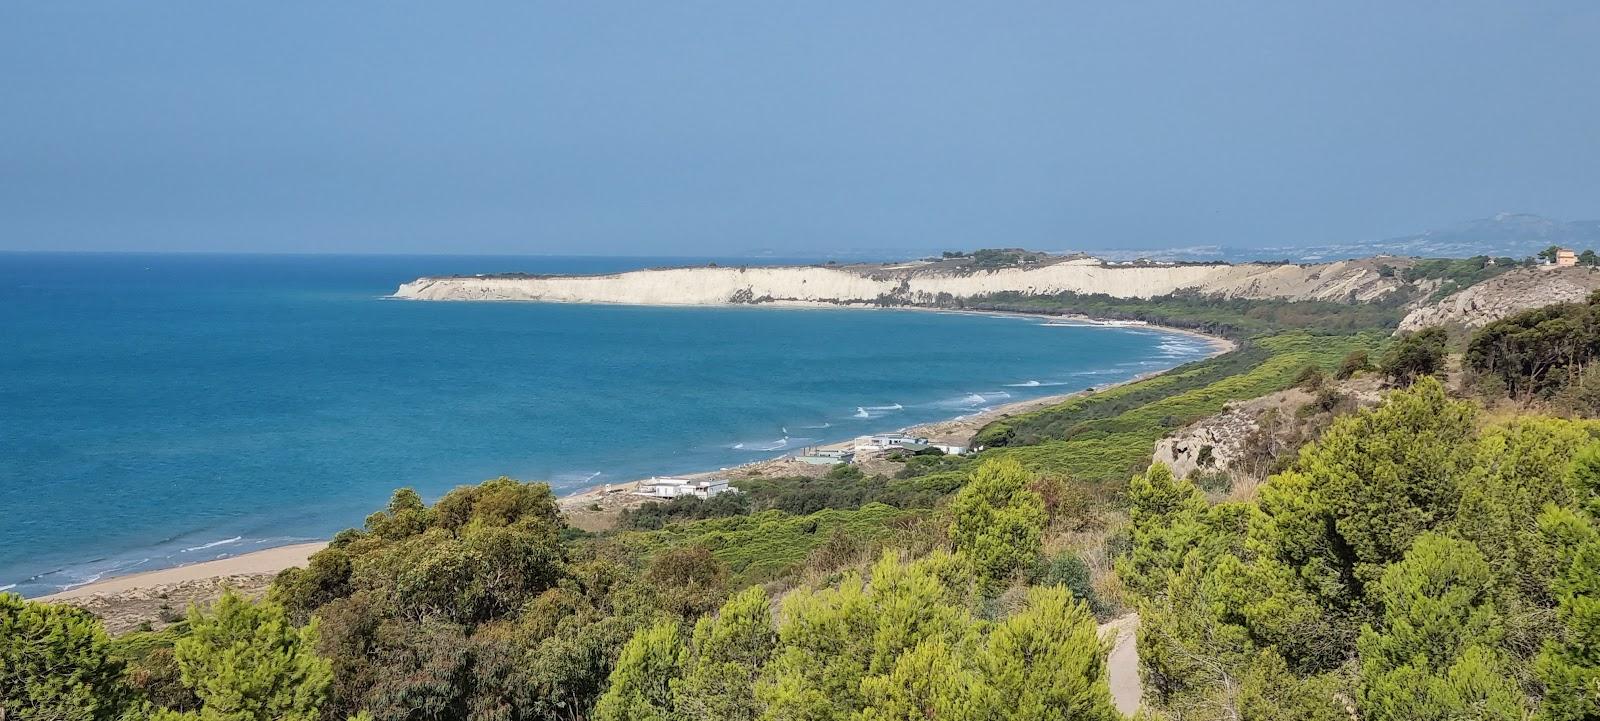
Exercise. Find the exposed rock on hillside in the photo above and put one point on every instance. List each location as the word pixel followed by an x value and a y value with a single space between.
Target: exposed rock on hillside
pixel 1247 436
pixel 920 283
pixel 1504 295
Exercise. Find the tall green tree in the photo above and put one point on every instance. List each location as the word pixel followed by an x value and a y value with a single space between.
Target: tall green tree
pixel 247 662
pixel 927 683
pixel 641 683
pixel 833 640
pixel 1387 476
pixel 724 659
pixel 1046 662
pixel 997 521
pixel 1520 467
pixel 1569 663
pixel 1415 355
pixel 1168 521
pixel 1436 655
pixel 55 663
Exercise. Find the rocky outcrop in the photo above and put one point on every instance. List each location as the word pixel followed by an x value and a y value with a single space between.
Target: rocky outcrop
pixel 918 283
pixel 1210 444
pixel 1234 440
pixel 1504 295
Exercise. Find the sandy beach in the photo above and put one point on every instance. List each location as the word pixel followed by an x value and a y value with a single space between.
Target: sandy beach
pixel 266 561
pixel 125 600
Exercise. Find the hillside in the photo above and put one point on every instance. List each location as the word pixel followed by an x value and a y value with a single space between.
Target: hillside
pixel 1504 295
pixel 923 283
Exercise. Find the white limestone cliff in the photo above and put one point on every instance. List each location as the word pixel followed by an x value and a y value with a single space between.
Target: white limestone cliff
pixel 865 284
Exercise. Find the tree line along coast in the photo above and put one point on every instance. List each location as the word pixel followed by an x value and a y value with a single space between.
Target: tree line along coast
pixel 1393 526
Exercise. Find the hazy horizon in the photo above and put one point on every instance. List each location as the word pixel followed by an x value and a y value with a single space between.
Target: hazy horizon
pixel 703 129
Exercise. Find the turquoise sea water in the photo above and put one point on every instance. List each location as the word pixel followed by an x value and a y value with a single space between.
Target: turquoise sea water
pixel 157 410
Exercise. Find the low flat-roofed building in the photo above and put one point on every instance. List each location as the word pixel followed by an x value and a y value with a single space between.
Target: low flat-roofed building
pixel 826 456
pixel 674 487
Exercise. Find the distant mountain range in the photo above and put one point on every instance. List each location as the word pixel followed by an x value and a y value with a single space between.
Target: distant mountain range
pixel 1517 235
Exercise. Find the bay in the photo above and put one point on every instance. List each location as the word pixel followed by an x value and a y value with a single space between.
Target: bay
pixel 157 410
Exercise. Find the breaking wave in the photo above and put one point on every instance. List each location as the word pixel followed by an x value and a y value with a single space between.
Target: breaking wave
pixel 212 544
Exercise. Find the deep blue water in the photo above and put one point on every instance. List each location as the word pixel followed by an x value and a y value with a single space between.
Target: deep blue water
pixel 164 409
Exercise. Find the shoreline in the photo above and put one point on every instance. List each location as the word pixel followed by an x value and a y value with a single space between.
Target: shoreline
pixel 576 505
pixel 958 429
pixel 254 563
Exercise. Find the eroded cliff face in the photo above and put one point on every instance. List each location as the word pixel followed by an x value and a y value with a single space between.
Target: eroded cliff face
pixel 1506 294
pixel 916 284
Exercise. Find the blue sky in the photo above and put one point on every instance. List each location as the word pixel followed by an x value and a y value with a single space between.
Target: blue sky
pixel 723 128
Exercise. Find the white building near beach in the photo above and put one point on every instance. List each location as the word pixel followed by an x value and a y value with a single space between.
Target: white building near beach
pixel 674 487
pixel 890 440
pixel 831 456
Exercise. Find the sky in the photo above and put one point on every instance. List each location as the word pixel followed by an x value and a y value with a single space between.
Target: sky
pixel 697 128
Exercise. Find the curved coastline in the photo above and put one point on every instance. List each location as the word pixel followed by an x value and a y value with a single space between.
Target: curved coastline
pixel 268 561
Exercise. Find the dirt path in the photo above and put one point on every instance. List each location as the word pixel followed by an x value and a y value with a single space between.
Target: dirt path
pixel 1122 664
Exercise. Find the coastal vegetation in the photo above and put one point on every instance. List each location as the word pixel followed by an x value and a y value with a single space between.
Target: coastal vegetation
pixel 1423 558
pixel 1228 317
pixel 1103 438
pixel 1544 353
pixel 1417 561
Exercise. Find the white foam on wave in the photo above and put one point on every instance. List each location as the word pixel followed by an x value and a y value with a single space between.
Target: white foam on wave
pixel 1029 384
pixel 825 424
pixel 213 544
pixel 8 587
pixel 875 411
pixel 971 401
pixel 114 569
pixel 1175 347
pixel 773 445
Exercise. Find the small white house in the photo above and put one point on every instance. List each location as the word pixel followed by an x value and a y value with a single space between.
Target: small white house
pixel 893 440
pixel 950 449
pixel 674 487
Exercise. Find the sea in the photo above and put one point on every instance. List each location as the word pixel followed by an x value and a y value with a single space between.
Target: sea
pixel 163 409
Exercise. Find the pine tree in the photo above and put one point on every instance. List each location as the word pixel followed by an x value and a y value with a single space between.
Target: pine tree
pixel 1047 662
pixel 928 683
pixel 55 663
pixel 833 641
pixel 724 659
pixel 640 687
pixel 1569 663
pixel 247 662
pixel 997 522
pixel 1167 523
pixel 1436 656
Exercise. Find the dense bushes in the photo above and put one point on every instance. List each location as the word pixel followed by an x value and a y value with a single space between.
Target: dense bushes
pixel 1414 355
pixel 1403 565
pixel 1232 317
pixel 1537 353
pixel 1103 448
pixel 905 641
pixel 239 661
pixel 1454 274
pixel 55 662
